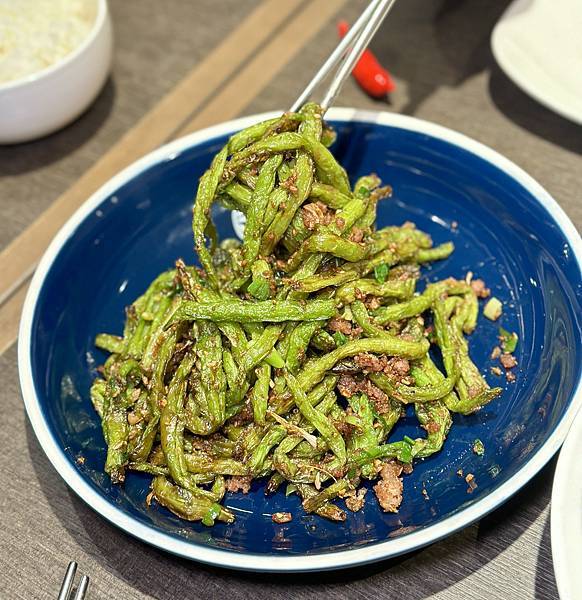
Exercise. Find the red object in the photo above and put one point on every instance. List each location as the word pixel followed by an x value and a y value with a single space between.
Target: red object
pixel 371 76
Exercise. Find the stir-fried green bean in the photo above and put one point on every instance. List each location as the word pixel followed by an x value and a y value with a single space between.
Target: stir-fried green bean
pixel 293 354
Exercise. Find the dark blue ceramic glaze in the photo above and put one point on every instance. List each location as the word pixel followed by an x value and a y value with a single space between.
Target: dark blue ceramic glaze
pixel 504 236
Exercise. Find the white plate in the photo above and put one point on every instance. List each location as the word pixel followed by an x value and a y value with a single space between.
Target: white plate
pixel 538 43
pixel 566 519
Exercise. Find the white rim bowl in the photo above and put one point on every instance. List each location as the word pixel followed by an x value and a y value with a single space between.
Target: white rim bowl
pixel 312 562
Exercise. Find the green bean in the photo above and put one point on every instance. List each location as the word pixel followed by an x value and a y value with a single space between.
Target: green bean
pixel 247 176
pixel 471 387
pixel 98 391
pixel 368 219
pixel 206 190
pixel 117 430
pixel 439 253
pixel 328 169
pixel 400 289
pixel 303 180
pixel 261 286
pixel 421 303
pixel 172 430
pixel 364 438
pixel 247 136
pixel 303 175
pixel 282 142
pixel 356 270
pixel 199 465
pixel 322 241
pixel 230 368
pixel 321 340
pixel 318 420
pixel 385 422
pixel 296 233
pixel 434 388
pixel 111 343
pixel 219 488
pixel 277 199
pixel 326 509
pixel 254 312
pixel 149 469
pixel 185 504
pixel 270 439
pixel 299 340
pixel 362 318
pixel 260 393
pixel 212 377
pixel 329 493
pixel 329 195
pixel 280 459
pixel 255 226
pixel 436 419
pixel 251 134
pixel 400 450
pixel 315 369
pixel 239 195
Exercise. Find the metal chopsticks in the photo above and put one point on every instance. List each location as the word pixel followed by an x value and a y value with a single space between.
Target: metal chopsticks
pixel 348 51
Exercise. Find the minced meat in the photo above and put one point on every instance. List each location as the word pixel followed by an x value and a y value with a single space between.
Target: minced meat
pixel 355 500
pixel 341 325
pixel 508 360
pixel 481 291
pixel 314 214
pixel 389 489
pixel 239 482
pixel 282 517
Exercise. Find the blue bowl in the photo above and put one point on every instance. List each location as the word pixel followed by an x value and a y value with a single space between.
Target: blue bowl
pixel 510 232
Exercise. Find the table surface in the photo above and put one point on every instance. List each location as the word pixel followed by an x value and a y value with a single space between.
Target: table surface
pixel 440 56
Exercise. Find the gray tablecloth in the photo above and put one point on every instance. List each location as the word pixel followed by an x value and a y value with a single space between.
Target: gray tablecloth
pixel 439 53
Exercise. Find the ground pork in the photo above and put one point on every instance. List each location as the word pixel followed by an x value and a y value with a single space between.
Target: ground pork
pixel 508 360
pixel 348 385
pixel 372 303
pixel 495 353
pixel 314 214
pixel 355 500
pixel 396 368
pixel 478 286
pixel 281 517
pixel 236 483
pixel 341 325
pixel 356 235
pixel 370 363
pixel 290 183
pixel 389 489
pixel 379 399
pixel 345 429
pixel 432 427
pixel 244 416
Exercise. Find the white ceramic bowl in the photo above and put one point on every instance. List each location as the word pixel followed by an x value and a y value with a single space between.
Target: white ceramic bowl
pixel 50 99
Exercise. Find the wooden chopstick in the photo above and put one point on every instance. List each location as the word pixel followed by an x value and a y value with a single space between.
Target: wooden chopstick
pixel 19 259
